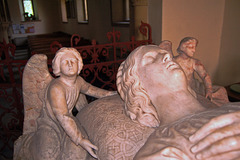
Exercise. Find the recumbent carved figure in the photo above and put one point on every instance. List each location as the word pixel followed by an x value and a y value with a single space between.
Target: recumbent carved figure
pixel 155 95
pixel 157 101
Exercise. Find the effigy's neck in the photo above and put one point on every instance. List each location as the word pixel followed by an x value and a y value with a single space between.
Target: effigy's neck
pixel 175 106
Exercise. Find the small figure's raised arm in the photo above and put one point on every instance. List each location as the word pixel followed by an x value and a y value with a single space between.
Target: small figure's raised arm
pixel 201 71
pixel 93 91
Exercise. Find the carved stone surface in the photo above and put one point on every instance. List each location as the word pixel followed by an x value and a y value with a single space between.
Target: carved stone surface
pixel 172 141
pixel 120 136
pixel 191 65
pixel 50 129
pixel 108 127
pixel 34 85
pixel 154 92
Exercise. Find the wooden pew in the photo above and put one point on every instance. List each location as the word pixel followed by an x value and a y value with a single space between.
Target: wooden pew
pixel 41 43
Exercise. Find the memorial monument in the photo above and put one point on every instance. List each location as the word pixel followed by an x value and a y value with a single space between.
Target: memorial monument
pixel 154 116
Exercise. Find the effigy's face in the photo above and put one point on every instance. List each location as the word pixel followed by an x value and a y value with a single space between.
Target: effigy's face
pixel 158 69
pixel 189 47
pixel 69 65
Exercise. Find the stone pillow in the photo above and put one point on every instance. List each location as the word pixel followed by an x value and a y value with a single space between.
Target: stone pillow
pixel 111 130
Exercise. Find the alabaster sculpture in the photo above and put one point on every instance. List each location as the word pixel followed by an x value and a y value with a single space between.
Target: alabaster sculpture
pixel 191 65
pixel 50 130
pixel 217 140
pixel 155 115
pixel 111 130
pixel 158 113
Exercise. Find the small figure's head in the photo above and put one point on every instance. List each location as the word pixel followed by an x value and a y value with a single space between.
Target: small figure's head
pixel 67 61
pixel 187 46
pixel 166 45
pixel 147 73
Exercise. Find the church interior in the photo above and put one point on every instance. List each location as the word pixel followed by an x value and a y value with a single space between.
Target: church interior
pixel 27 23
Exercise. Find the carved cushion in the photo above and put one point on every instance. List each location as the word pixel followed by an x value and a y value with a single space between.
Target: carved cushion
pixel 109 128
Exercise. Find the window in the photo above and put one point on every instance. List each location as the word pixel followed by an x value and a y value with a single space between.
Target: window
pixel 4 12
pixel 68 10
pixel 28 10
pixel 82 11
pixel 120 12
pixel 70 7
pixel 63 9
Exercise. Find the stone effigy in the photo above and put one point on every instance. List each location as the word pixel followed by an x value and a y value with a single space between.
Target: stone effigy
pixel 50 129
pixel 156 98
pixel 190 65
pixel 155 116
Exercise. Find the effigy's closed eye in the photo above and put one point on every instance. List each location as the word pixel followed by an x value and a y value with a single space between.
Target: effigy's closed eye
pixel 149 58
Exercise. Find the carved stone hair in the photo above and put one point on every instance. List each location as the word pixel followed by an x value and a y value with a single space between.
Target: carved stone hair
pixel 179 50
pixel 57 59
pixel 137 102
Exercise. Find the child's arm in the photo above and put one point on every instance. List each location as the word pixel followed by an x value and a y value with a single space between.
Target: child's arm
pixel 93 91
pixel 56 97
pixel 201 71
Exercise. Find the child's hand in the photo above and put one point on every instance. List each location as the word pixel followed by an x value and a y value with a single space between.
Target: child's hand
pixel 209 94
pixel 87 145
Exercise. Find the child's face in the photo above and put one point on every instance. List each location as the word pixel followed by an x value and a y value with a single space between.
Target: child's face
pixel 189 47
pixel 69 65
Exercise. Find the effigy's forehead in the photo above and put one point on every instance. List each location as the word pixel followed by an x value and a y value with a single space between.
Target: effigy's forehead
pixel 139 53
pixel 151 48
